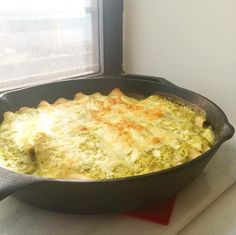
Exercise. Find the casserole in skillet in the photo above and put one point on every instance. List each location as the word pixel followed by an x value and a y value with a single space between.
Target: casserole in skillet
pixel 92 196
pixel 102 137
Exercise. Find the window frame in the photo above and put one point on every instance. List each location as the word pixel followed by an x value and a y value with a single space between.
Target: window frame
pixel 112 36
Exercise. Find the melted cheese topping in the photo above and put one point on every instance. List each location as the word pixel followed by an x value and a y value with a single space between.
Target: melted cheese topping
pixel 101 137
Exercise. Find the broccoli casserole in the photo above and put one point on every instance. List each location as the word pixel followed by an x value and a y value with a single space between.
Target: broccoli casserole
pixel 102 136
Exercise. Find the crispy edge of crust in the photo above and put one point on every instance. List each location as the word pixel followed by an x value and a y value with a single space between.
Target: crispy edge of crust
pixel 8 116
pixel 96 94
pixel 43 103
pixel 79 96
pixel 116 92
pixel 60 101
pixel 24 110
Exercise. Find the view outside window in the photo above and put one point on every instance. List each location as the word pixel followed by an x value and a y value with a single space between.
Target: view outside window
pixel 47 40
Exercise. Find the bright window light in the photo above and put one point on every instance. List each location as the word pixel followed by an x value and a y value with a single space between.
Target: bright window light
pixel 46 40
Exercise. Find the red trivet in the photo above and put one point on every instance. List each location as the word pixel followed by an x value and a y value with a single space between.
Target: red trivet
pixel 157 213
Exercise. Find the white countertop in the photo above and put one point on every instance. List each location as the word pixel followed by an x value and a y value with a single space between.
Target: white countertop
pixel 218 219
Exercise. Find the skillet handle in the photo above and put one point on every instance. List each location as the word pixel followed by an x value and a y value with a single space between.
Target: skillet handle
pixel 144 77
pixel 10 182
pixel 227 131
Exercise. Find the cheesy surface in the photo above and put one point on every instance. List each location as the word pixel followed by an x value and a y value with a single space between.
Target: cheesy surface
pixel 102 137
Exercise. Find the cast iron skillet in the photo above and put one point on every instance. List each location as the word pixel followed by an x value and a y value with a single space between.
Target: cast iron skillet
pixel 113 195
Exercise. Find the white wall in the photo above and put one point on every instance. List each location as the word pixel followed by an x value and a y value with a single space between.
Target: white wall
pixel 190 42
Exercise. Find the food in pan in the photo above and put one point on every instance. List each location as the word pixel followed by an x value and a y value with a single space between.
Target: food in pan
pixel 102 136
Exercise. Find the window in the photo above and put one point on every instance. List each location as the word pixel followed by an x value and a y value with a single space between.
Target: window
pixel 46 40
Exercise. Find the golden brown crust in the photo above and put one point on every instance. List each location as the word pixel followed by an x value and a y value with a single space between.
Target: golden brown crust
pixel 7 116
pixel 43 103
pixel 60 101
pixel 24 110
pixel 116 92
pixel 96 95
pixel 153 114
pixel 79 96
